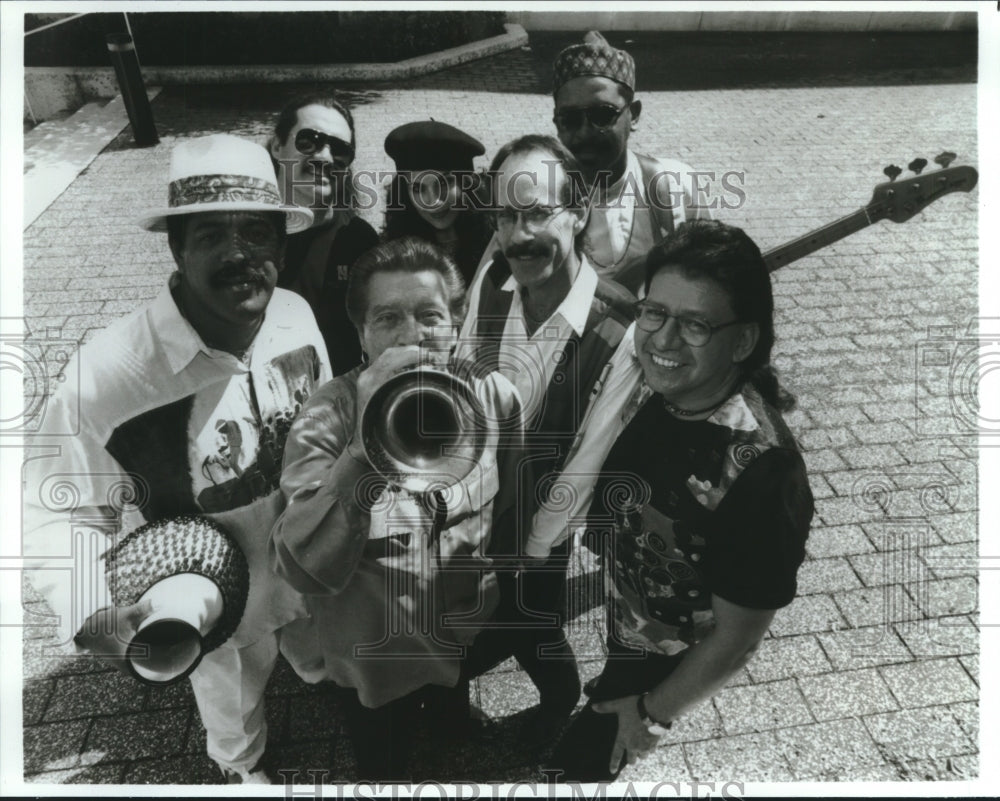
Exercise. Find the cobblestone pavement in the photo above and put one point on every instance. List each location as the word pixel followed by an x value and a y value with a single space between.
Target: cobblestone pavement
pixel 872 673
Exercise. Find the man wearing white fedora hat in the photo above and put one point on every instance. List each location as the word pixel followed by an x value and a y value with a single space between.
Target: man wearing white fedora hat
pixel 184 407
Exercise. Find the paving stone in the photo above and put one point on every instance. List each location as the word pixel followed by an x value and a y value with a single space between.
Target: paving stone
pixel 958 768
pixel 53 746
pixel 34 698
pixel 853 648
pixel 871 456
pixel 945 597
pixel 820 487
pixel 943 636
pixel 505 694
pixel 847 694
pixel 971 665
pixel 925 733
pixel 967 715
pixel 666 762
pixel 953 560
pixel 302 763
pixel 890 567
pixel 787 657
pixel 844 511
pixel 869 773
pixel 807 614
pixel 826 575
pixel 827 541
pixel 876 606
pixel 702 723
pixel 87 774
pixel 823 461
pixel 818 438
pixel 927 682
pixel 90 695
pixel 146 734
pixel 748 757
pixel 761 707
pixel 820 750
pixel 170 697
pixel 183 770
pixel 959 527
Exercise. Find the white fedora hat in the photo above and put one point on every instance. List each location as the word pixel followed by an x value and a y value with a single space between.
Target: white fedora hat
pixel 223 173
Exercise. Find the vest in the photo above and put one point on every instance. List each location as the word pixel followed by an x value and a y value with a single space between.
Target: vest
pixel 632 272
pixel 549 436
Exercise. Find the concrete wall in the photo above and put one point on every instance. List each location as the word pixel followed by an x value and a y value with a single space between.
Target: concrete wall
pixel 744 21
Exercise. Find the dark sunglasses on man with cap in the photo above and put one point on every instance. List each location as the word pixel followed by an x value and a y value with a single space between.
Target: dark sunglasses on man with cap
pixel 600 117
pixel 309 142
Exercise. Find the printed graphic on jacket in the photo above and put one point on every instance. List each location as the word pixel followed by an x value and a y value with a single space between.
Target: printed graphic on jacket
pixel 221 448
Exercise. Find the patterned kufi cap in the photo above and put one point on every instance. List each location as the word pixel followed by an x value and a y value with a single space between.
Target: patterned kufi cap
pixel 594 57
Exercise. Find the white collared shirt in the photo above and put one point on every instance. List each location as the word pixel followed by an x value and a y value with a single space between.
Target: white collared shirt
pixel 148 411
pixel 529 361
pixel 615 401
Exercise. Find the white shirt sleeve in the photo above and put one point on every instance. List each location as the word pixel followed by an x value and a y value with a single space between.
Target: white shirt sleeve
pixel 569 497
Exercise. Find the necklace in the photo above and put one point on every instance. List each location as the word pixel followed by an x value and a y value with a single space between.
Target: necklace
pixel 677 410
pixel 588 245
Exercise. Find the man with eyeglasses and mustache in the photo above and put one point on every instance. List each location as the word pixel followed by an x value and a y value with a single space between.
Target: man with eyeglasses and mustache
pixel 313 148
pixel 636 200
pixel 542 317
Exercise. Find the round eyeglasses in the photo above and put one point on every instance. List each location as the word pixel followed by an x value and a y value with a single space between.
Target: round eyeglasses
pixel 651 317
pixel 535 218
pixel 600 117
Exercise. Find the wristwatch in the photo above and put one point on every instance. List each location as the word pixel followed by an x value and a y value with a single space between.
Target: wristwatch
pixel 653 726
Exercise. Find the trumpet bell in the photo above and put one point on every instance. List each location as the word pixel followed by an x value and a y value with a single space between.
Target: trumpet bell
pixel 424 428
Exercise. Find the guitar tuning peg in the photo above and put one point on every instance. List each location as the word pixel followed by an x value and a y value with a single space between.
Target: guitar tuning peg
pixel 944 159
pixel 892 171
pixel 917 165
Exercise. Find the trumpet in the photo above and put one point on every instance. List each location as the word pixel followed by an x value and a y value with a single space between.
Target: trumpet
pixel 424 428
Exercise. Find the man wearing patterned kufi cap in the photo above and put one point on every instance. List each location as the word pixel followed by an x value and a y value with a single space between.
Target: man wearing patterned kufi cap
pixel 595 113
pixel 182 408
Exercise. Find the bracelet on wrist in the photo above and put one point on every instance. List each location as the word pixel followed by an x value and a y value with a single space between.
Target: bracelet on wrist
pixel 652 725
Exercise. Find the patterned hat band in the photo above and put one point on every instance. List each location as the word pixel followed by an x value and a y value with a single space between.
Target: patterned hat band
pixel 198 189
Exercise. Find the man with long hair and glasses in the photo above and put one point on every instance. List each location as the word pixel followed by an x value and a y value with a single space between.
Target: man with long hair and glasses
pixel 540 314
pixel 636 199
pixel 313 147
pixel 702 505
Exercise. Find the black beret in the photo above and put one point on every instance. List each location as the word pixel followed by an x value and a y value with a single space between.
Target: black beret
pixel 430 145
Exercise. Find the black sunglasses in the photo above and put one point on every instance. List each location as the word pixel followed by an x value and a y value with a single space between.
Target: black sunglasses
pixel 601 117
pixel 309 142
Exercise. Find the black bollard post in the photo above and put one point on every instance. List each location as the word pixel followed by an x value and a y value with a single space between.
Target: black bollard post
pixel 133 90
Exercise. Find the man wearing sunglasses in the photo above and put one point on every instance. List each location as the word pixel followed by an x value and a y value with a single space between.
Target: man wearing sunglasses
pixel 636 199
pixel 540 314
pixel 313 148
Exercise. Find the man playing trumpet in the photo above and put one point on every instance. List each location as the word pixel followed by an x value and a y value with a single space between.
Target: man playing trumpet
pixel 397 579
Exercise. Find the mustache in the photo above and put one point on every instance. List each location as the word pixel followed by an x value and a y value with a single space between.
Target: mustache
pixel 527 251
pixel 238 275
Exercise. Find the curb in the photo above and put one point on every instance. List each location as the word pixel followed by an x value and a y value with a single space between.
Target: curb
pixel 100 81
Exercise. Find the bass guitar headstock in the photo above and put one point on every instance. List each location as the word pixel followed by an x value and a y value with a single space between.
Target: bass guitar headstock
pixel 900 200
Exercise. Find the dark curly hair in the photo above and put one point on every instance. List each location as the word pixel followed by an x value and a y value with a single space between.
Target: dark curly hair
pixel 709 249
